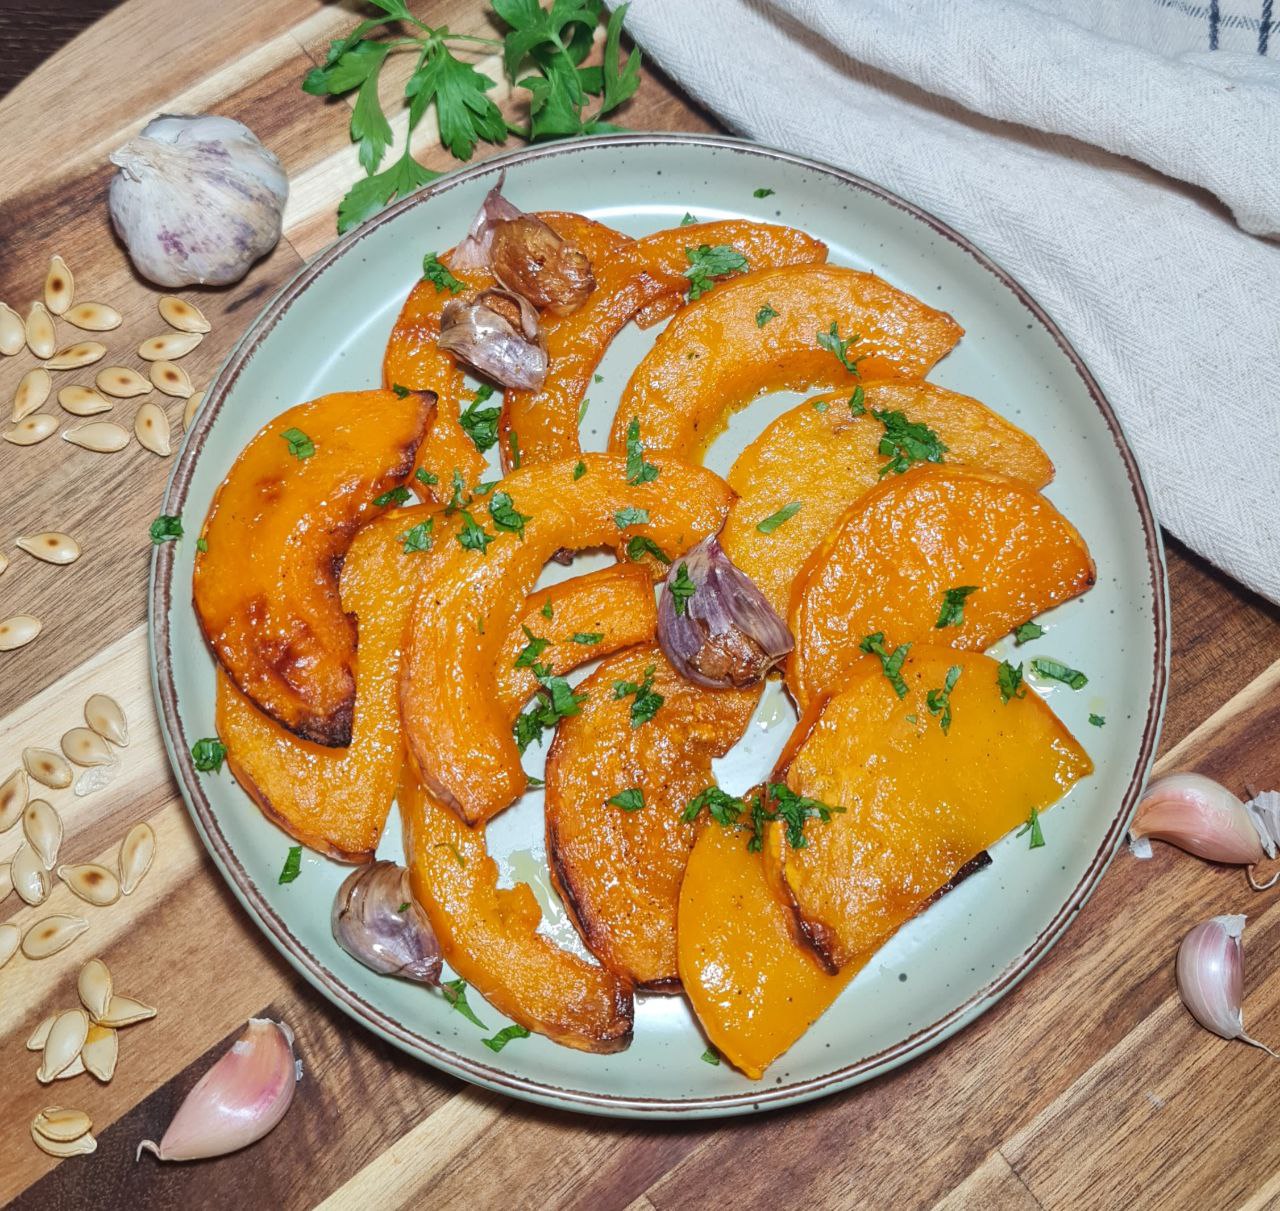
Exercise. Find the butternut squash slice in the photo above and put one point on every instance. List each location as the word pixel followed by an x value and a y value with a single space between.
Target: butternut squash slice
pixel 714 357
pixel 489 935
pixel 618 869
pixel 891 559
pixel 458 734
pixel 927 783
pixel 266 589
pixel 543 424
pixel 823 457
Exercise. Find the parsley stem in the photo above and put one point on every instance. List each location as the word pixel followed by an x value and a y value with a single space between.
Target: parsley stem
pixel 492 43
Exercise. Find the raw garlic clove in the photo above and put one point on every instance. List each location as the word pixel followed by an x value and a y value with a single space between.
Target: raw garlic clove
pixel 59 286
pixel 1200 816
pixel 106 716
pixel 238 1101
pixel 1211 978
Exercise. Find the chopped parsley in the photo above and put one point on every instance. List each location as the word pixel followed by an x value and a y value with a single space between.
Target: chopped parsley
pixel 631 516
pixel 202 544
pixel 629 800
pixel 404 904
pixel 952 613
pixel 506 516
pixel 709 1057
pixel 792 811
pixel 392 496
pixel 419 537
pixel 423 476
pixel 535 783
pixel 580 470
pixel 765 314
pixel 858 402
pixel 820 405
pixel 435 272
pixel 687 220
pixel 682 587
pixel 939 701
pixel 906 442
pixel 1056 671
pixel 208 755
pixel 597 378
pixel 891 662
pixel 774 520
pixel 553 702
pixel 292 867
pixel 763 192
pixel 639 545
pixel 1097 720
pixel 532 651
pixel 513 445
pixel 833 343
pixel 1027 632
pixel 455 992
pixel 473 537
pixel 582 409
pixel 586 638
pixel 706 263
pixel 504 1036
pixel 481 424
pixel 647 699
pixel 166 528
pixel 399 390
pixel 638 471
pixel 547 611
pixel 300 445
pixel 724 808
pixel 1033 827
pixel 1009 679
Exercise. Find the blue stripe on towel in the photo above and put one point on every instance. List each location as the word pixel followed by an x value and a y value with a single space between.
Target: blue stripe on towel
pixel 1213 24
pixel 1264 27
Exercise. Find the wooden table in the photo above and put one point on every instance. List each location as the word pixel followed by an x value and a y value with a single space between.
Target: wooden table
pixel 1088 1086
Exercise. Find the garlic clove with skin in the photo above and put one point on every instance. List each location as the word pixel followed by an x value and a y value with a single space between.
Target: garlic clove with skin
pixel 241 1098
pixel 1210 975
pixel 496 333
pixel 1202 817
pixel 473 251
pixel 376 920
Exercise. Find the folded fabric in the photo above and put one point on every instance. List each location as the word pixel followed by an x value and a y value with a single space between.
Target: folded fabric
pixel 1121 160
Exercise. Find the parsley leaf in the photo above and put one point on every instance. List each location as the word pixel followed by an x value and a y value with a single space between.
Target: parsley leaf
pixel 166 528
pixel 208 755
pixel 1027 632
pixel 1097 720
pixel 396 496
pixel 1009 679
pixel 638 471
pixel 774 520
pixel 939 701
pixel 765 314
pixel 647 699
pixel 793 811
pixel 587 638
pixel 300 445
pixel 952 613
pixel 473 537
pixel 532 651
pixel 546 610
pixel 455 992
pixel 464 113
pixel 369 126
pixel 579 471
pixel 437 273
pixel 706 263
pixel 506 516
pixel 709 1057
pixel 481 424
pixel 367 197
pixel 688 220
pixel 423 476
pixel 401 392
pixel 202 544
pixel 1056 671
pixel 582 408
pixel 631 516
pixel 681 587
pixel 630 800
pixel 1033 827
pixel 906 442
pixel 762 192
pixel 419 537
pixel 639 545
pixel 504 1036
pixel 833 343
pixel 292 867
pixel 891 662
pixel 555 701
pixel 725 809
pixel 820 405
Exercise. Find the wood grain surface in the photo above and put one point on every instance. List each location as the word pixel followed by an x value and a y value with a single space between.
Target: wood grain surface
pixel 1088 1086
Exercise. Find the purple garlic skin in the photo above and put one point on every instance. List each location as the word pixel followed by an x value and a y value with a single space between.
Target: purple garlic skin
pixel 376 920
pixel 496 333
pixel 473 252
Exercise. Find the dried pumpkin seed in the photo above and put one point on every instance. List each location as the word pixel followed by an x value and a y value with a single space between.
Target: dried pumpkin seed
pixel 46 766
pixel 13 799
pixel 83 1145
pixel 59 286
pixel 184 316
pixel 121 382
pixel 151 426
pixel 83 401
pixel 42 827
pixel 169 346
pixel 100 436
pixel 13 332
pixel 53 546
pixel 52 934
pixel 4 563
pixel 125 1011
pixel 171 379
pixel 93 317
pixel 32 391
pixel 137 851
pixel 18 631
pixel 61 1126
pixel 6 881
pixel 85 747
pixel 94 986
pixel 75 1068
pixel 31 430
pixel 94 884
pixel 100 1051
pixel 106 716
pixel 42 340
pixel 194 403
pixel 36 1040
pixel 72 357
pixel 30 878
pixel 66 1036
pixel 10 935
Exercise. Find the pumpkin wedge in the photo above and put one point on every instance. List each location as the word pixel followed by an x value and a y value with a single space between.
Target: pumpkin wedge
pixel 927 781
pixel 458 735
pixel 266 588
pixel 890 561
pixel 543 424
pixel 823 456
pixel 714 357
pixel 489 935
pixel 617 861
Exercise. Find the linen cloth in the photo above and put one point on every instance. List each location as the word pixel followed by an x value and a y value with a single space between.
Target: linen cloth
pixel 1121 158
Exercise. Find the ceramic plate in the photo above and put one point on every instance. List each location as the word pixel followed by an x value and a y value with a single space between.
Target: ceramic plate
pixel 326 331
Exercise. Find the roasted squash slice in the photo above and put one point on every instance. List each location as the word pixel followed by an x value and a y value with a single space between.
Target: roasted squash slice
pixel 927 783
pixel 458 734
pixel 889 562
pixel 543 425
pixel 618 869
pixel 822 456
pixel 714 357
pixel 489 935
pixel 266 589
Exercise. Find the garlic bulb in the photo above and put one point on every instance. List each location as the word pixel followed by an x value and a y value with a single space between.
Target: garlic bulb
pixel 376 920
pixel 197 199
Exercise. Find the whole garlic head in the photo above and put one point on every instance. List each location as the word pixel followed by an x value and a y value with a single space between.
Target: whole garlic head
pixel 197 199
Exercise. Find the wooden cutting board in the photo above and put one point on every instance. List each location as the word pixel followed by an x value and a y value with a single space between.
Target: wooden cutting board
pixel 1089 1086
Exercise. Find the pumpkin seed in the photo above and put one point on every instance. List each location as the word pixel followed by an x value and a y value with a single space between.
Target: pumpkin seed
pixel 30 879
pixel 59 286
pixel 72 357
pixel 66 1036
pixel 10 935
pixel 194 403
pixel 85 747
pixel 42 827
pixel 46 766
pixel 100 436
pixel 171 379
pixel 52 934
pixel 75 1068
pixel 94 884
pixel 60 1125
pixel 94 986
pixel 13 332
pixel 169 346
pixel 83 1145
pixel 106 717
pixel 53 546
pixel 41 1033
pixel 6 881
pixel 4 563
pixel 151 426
pixel 184 316
pixel 83 401
pixel 13 799
pixel 93 317
pixel 31 430
pixel 137 851
pixel 18 631
pixel 42 340
pixel 32 391
pixel 100 1052
pixel 125 1011
pixel 121 382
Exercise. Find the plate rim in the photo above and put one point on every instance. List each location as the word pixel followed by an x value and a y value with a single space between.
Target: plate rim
pixel 436 1052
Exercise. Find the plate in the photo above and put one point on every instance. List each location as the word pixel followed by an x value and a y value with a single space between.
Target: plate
pixel 326 331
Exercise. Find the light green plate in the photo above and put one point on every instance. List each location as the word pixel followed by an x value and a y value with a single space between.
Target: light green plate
pixel 326 332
